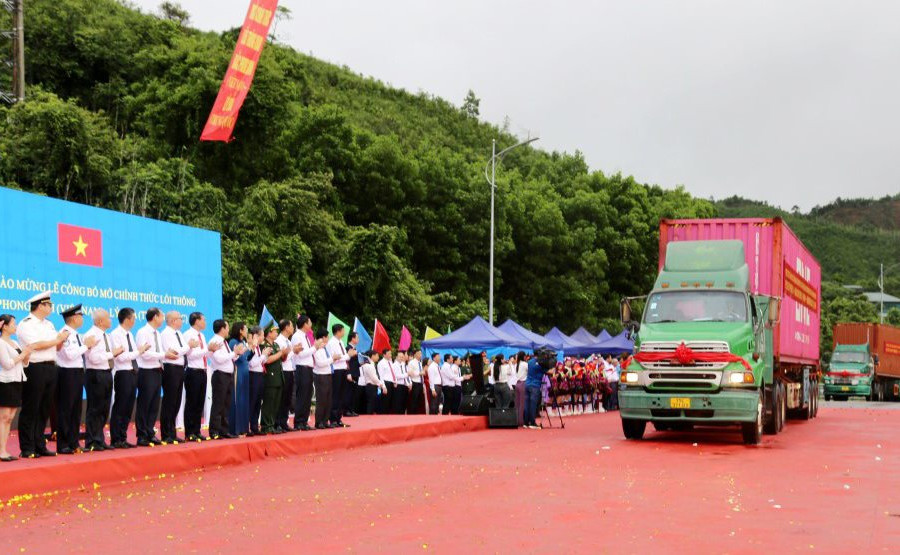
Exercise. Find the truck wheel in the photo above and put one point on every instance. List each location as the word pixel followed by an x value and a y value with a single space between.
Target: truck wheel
pixel 782 404
pixel 816 401
pixel 829 398
pixel 770 410
pixel 633 429
pixel 753 431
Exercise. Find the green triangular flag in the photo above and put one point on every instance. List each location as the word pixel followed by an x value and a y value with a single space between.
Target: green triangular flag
pixel 449 329
pixel 332 320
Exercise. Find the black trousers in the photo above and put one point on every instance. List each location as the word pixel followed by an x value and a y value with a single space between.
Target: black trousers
pixel 401 396
pixel 371 392
pixel 323 398
pixel 457 399
pixel 257 386
pixel 417 399
pixel 286 393
pixel 37 395
pixel 99 386
pixel 172 386
pixel 70 382
pixel 222 395
pixel 149 383
pixel 386 402
pixel 125 384
pixel 304 390
pixel 434 405
pixel 351 397
pixel 449 398
pixel 194 400
pixel 338 384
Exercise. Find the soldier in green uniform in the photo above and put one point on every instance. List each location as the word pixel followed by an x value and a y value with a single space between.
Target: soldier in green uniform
pixel 273 380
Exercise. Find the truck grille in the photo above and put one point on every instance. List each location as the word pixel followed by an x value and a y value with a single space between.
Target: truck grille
pixel 671 376
pixel 697 346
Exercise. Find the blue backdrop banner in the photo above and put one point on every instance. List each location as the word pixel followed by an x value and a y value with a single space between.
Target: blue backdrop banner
pixel 103 259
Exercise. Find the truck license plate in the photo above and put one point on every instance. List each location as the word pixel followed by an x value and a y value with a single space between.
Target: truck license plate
pixel 845 388
pixel 680 402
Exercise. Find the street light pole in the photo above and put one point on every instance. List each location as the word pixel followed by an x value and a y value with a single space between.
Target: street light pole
pixel 492 181
pixel 881 285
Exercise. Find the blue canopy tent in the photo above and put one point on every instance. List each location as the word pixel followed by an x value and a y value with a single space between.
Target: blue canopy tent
pixel 568 346
pixel 617 345
pixel 603 336
pixel 516 330
pixel 474 337
pixel 583 336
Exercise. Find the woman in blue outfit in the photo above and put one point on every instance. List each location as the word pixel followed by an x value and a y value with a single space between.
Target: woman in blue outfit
pixel 239 416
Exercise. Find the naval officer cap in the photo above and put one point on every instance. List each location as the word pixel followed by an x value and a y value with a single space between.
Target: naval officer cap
pixel 42 296
pixel 72 311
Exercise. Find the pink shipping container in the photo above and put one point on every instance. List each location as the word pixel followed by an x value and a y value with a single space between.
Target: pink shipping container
pixel 780 266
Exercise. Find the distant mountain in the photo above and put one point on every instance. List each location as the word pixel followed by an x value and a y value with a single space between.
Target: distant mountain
pixel 883 213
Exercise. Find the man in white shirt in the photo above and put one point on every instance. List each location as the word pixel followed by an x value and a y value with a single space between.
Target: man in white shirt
pixel 124 378
pixel 323 360
pixel 335 346
pixel 172 375
pixel 416 377
pixel 70 382
pixel 98 381
pixel 150 378
pixel 521 376
pixel 401 384
pixel 222 364
pixel 303 350
pixel 435 384
pixel 284 342
pixel 386 375
pixel 195 377
pixel 374 385
pixel 448 379
pixel 37 331
pixel 354 389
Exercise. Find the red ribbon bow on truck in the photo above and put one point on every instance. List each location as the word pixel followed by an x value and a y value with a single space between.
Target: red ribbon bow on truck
pixel 685 356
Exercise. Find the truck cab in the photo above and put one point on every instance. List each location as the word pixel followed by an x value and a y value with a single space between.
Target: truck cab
pixel 850 373
pixel 704 345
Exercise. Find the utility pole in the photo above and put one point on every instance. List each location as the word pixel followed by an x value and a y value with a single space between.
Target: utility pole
pixel 881 285
pixel 19 60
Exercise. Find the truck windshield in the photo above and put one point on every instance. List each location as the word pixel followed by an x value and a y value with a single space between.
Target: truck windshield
pixel 696 306
pixel 850 357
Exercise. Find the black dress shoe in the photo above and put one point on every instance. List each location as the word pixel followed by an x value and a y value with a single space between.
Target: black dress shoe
pixel 143 443
pixel 155 441
pixel 28 455
pixel 230 436
pixel 277 431
pixel 65 451
pixel 44 452
pixel 305 428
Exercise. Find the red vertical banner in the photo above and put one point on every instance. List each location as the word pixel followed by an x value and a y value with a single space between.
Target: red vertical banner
pixel 241 69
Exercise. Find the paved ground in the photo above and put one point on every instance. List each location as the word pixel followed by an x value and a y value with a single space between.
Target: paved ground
pixel 829 485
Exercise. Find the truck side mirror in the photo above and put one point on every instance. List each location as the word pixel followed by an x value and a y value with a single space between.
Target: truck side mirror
pixel 774 308
pixel 625 311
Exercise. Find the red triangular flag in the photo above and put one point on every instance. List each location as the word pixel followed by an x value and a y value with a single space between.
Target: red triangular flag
pixel 380 339
pixel 405 340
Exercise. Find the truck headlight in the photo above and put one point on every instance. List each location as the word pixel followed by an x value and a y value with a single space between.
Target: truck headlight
pixel 630 377
pixel 854 382
pixel 737 378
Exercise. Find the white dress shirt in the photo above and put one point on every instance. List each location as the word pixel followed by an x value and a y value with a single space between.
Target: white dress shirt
pixel 100 356
pixel 284 345
pixel 305 356
pixel 448 378
pixel 434 374
pixel 457 375
pixel 256 363
pixel 400 376
pixel 512 377
pixel 174 339
pixel 522 371
pixel 385 371
pixel 10 372
pixel 335 347
pixel 196 356
pixel 35 330
pixel 71 355
pixel 127 358
pixel 414 370
pixel 321 362
pixel 222 358
pixel 153 357
pixel 367 371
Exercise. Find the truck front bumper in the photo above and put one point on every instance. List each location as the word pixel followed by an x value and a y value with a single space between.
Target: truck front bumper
pixel 848 390
pixel 723 406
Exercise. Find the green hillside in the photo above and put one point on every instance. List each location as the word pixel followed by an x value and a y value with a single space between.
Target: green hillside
pixel 339 193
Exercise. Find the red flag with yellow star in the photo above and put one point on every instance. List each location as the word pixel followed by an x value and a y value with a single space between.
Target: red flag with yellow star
pixel 80 245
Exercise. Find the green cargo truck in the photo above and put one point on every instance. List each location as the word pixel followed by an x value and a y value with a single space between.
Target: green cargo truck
pixel 711 348
pixel 850 373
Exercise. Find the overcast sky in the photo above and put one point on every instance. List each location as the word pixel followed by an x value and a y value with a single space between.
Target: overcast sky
pixel 792 102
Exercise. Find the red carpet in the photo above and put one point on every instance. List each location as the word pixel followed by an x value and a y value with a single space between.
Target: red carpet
pixel 109 467
pixel 825 486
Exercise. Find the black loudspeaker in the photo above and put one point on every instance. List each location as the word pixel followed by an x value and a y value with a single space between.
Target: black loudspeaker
pixel 502 418
pixel 474 405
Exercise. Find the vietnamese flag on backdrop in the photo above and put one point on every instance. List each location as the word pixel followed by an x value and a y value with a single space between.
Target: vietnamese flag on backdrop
pixel 380 339
pixel 79 245
pixel 240 72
